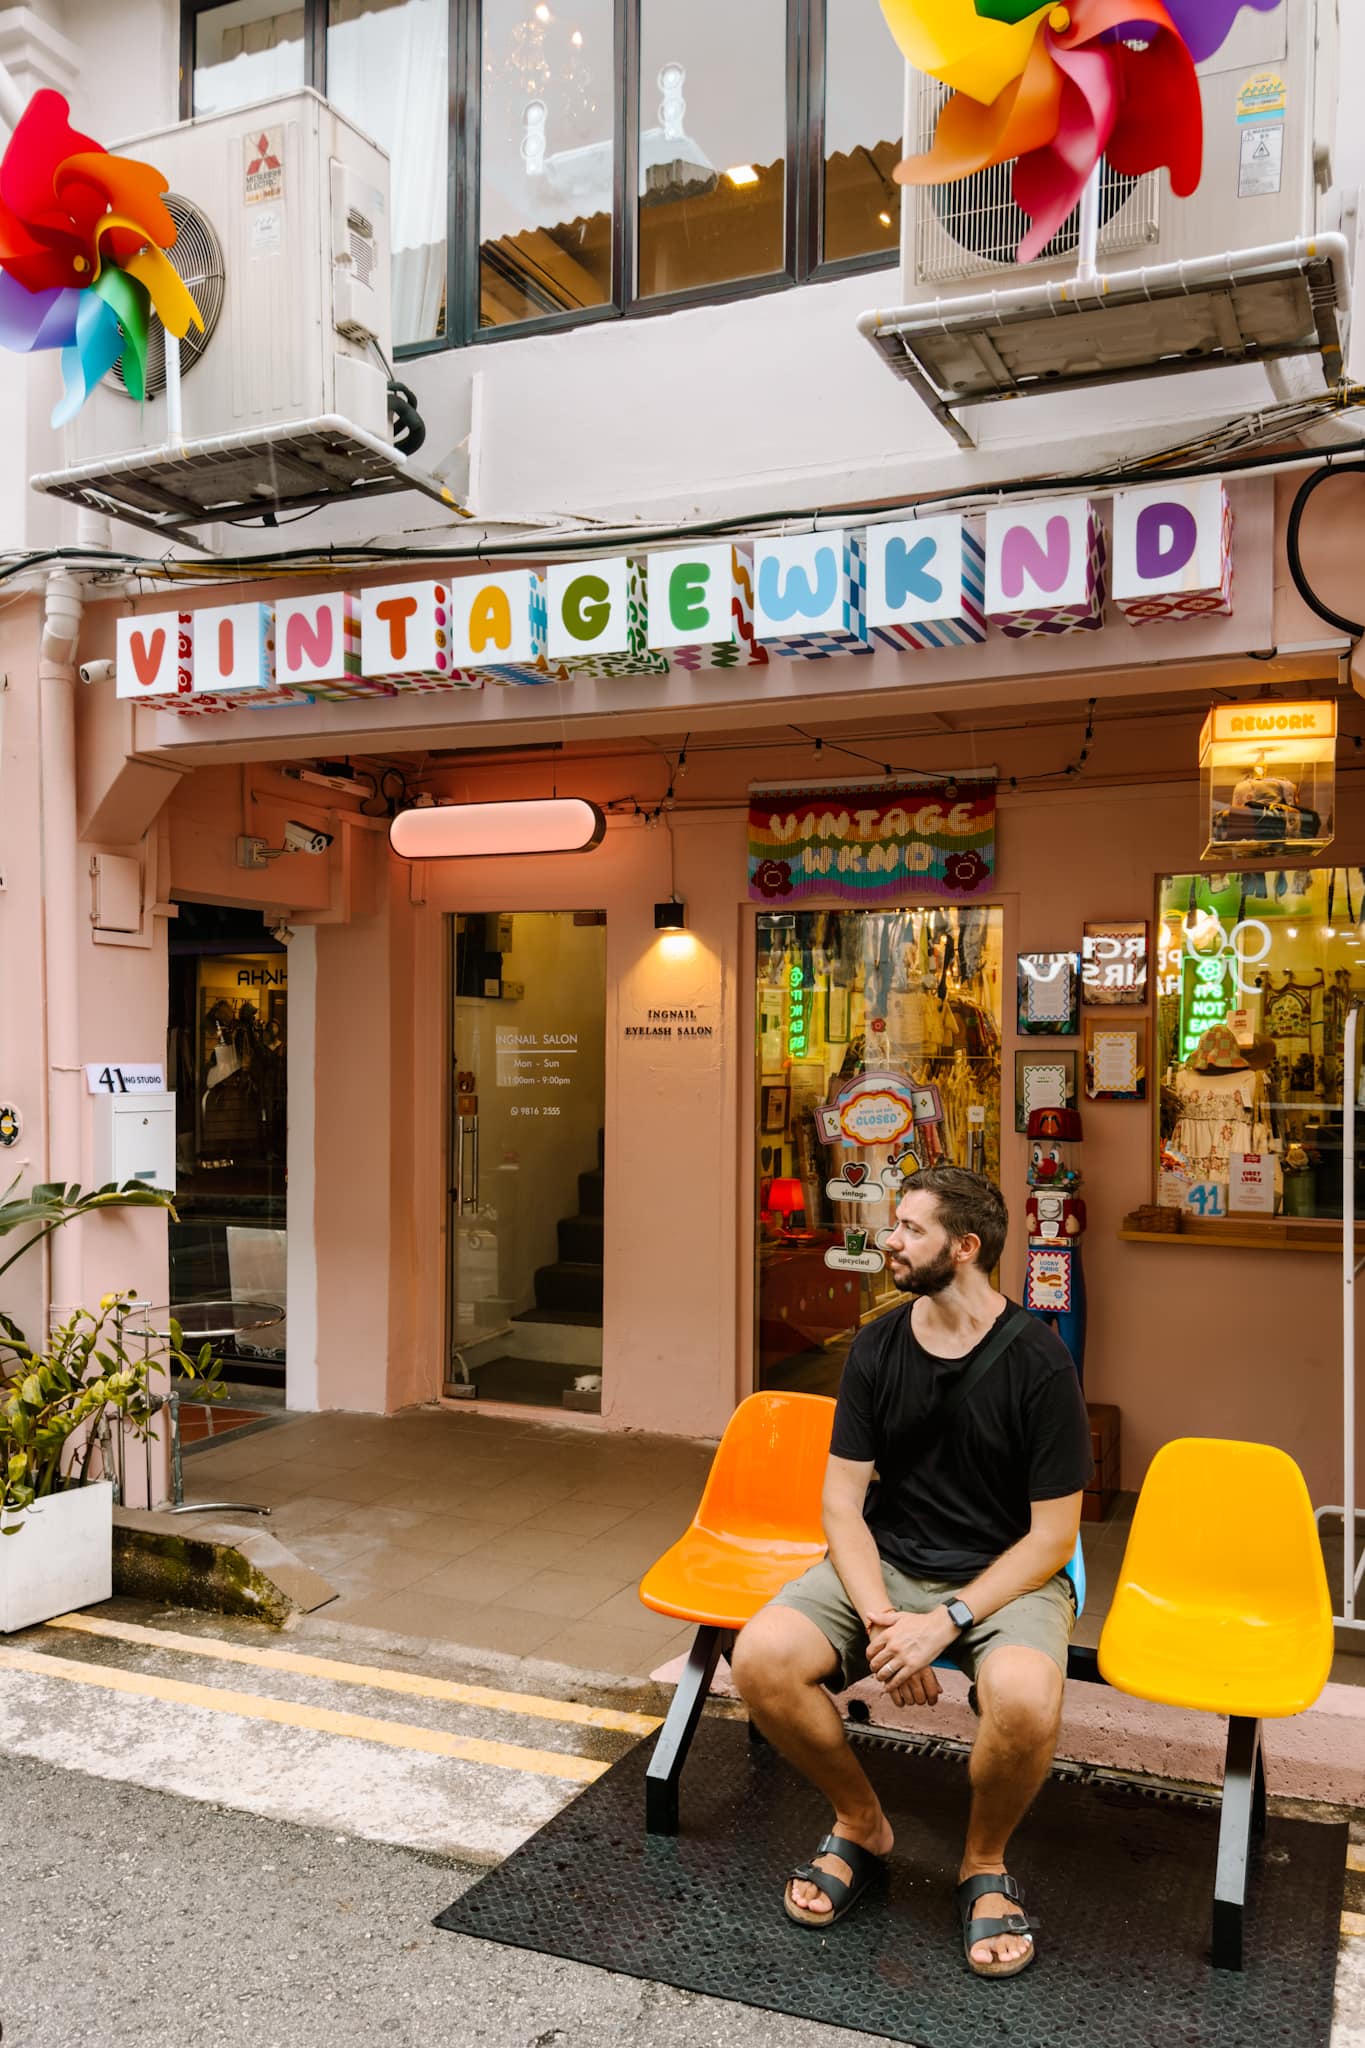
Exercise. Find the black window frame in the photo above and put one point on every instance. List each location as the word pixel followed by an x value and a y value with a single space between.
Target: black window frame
pixel 804 189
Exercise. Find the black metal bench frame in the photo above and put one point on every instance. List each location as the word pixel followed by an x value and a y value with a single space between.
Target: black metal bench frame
pixel 1241 1822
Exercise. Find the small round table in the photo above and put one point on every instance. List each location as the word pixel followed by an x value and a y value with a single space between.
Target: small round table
pixel 201 1322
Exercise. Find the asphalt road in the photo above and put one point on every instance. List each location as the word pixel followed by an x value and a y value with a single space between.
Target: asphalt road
pixel 136 1919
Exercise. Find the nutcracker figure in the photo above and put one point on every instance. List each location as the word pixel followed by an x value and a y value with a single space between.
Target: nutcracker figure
pixel 1054 1289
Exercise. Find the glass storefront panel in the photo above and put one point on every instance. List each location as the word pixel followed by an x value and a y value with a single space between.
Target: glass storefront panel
pixel 713 142
pixel 244 51
pixel 547 159
pixel 863 117
pixel 226 1062
pixel 1257 970
pixel 527 1156
pixel 387 69
pixel 878 1035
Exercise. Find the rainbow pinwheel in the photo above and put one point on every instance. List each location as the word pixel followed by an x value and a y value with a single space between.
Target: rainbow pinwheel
pixel 83 237
pixel 1055 88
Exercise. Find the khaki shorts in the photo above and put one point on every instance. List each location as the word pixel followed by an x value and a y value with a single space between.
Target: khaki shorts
pixel 1036 1621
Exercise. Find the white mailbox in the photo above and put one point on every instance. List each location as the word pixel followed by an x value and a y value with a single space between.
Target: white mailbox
pixel 134 1139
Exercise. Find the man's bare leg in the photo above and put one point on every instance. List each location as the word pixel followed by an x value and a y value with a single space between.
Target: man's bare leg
pixel 779 1663
pixel 1020 1695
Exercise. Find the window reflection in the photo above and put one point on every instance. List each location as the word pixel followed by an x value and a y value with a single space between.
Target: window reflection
pixel 863 119
pixel 387 69
pixel 546 156
pixel 248 50
pixel 713 131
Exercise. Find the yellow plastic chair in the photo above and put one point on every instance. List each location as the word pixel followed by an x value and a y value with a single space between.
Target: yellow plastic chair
pixel 758 1527
pixel 1222 1605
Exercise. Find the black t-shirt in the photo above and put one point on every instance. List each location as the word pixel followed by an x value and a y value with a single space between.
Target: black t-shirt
pixel 948 1508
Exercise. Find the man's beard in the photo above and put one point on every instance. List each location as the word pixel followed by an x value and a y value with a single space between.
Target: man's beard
pixel 930 1279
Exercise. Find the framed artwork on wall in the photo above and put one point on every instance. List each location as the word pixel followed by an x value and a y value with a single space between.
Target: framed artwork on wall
pixel 1116 1059
pixel 838 1007
pixel 1114 964
pixel 1049 994
pixel 774 1108
pixel 1043 1079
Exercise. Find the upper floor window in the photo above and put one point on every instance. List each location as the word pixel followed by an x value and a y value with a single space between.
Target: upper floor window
pixel 563 160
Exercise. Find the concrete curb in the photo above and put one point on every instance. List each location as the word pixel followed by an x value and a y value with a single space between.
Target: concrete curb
pixel 210 1564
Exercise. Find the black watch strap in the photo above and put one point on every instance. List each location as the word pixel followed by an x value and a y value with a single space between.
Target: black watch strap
pixel 960 1614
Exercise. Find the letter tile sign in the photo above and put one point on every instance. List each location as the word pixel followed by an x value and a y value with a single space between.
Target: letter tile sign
pixel 155 655
pixel 406 637
pixel 926 583
pixel 1045 568
pixel 499 626
pixel 810 595
pixel 317 648
pixel 598 621
pixel 1173 551
pixel 701 606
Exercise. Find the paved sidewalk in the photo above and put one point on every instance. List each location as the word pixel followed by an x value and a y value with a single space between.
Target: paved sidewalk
pixel 503 1535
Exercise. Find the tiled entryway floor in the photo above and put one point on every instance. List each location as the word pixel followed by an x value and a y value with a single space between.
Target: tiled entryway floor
pixel 498 1534
pixel 515 1534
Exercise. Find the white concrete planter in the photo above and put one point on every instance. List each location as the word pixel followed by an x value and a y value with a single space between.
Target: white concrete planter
pixel 63 1557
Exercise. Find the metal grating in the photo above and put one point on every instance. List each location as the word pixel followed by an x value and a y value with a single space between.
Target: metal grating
pixel 971 229
pixel 198 257
pixel 292 466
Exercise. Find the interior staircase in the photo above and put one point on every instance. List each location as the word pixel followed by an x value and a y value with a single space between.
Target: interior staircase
pixel 566 1323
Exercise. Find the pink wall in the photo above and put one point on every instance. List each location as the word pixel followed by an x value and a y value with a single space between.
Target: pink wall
pixel 1228 1342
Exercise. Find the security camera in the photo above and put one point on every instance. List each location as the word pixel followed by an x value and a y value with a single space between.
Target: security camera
pixel 305 838
pixel 96 671
pixel 282 931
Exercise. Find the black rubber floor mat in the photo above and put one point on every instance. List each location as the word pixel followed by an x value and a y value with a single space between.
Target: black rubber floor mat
pixel 1119 1880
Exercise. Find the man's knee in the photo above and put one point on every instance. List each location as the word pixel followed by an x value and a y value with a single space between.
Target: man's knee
pixel 777 1652
pixel 1020 1693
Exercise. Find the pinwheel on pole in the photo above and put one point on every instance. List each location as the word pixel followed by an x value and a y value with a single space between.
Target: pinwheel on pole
pixel 83 263
pixel 1057 88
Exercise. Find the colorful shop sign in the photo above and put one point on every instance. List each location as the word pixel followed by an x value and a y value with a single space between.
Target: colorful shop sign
pixel 868 843
pixel 905 585
pixel 874 1108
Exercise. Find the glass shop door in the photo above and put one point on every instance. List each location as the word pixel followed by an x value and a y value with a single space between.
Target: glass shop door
pixel 527 1159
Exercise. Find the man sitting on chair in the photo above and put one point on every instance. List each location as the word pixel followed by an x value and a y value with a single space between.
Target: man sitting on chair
pixel 958 1548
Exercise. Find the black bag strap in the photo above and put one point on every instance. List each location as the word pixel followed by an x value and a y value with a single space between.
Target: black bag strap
pixel 991 1352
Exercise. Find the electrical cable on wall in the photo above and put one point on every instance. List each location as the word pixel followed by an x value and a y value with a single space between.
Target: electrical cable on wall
pixel 1293 550
pixel 332 560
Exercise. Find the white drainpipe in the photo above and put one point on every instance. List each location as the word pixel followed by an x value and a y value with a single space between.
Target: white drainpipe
pixel 62 919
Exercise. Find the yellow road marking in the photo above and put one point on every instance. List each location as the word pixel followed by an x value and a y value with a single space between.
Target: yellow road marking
pixel 411 1683
pixel 1355 1856
pixel 470 1749
pixel 1353 1923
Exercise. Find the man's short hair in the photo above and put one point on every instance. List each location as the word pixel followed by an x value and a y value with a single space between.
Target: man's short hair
pixel 968 1205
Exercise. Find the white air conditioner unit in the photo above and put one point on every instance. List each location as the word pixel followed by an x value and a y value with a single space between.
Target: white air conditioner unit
pixel 1250 268
pixel 294 201
pixel 282 211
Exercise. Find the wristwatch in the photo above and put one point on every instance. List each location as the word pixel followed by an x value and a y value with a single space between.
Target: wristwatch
pixel 960 1614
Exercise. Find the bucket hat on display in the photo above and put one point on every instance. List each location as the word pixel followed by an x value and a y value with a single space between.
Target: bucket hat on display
pixel 1219 1053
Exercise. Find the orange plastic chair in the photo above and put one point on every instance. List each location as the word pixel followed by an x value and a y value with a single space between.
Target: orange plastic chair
pixel 757 1528
pixel 1222 1605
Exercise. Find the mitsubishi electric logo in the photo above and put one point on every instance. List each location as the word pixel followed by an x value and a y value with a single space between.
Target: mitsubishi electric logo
pixel 264 177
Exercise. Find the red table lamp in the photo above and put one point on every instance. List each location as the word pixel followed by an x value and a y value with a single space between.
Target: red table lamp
pixel 786 1199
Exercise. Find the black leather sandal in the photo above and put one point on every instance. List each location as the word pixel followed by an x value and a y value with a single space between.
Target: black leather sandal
pixel 843 1897
pixel 968 1892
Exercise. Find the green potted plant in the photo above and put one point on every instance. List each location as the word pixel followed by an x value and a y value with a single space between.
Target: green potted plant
pixel 58 1403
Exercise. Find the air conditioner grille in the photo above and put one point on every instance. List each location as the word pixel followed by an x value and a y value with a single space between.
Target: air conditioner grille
pixel 198 256
pixel 973 227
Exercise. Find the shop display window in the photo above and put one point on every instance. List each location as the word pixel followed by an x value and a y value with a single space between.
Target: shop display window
pixel 1269 778
pixel 1257 970
pixel 878 1048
